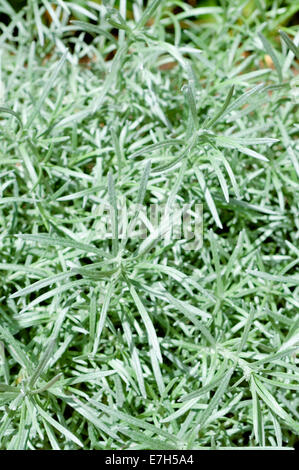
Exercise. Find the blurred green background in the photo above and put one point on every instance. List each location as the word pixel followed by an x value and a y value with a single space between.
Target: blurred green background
pixel 287 10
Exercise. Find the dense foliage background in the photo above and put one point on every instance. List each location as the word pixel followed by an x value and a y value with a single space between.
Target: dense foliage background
pixel 143 344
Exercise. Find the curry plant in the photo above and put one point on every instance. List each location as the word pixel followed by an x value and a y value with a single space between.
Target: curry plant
pixel 110 339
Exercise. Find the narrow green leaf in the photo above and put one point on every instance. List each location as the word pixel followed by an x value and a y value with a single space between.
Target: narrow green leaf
pixel 274 277
pixel 65 432
pixel 16 349
pixel 221 112
pixel 43 362
pixel 189 312
pixel 91 416
pixel 46 90
pixel 274 405
pixel 114 213
pixel 291 45
pixel 103 316
pixel 214 401
pixel 54 292
pixel 66 242
pixel 269 49
pixel 12 113
pixel 139 423
pixel 42 283
pixel 48 385
pixel 208 197
pixel 152 336
pixel 150 148
pixel 257 417
pixel 148 12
